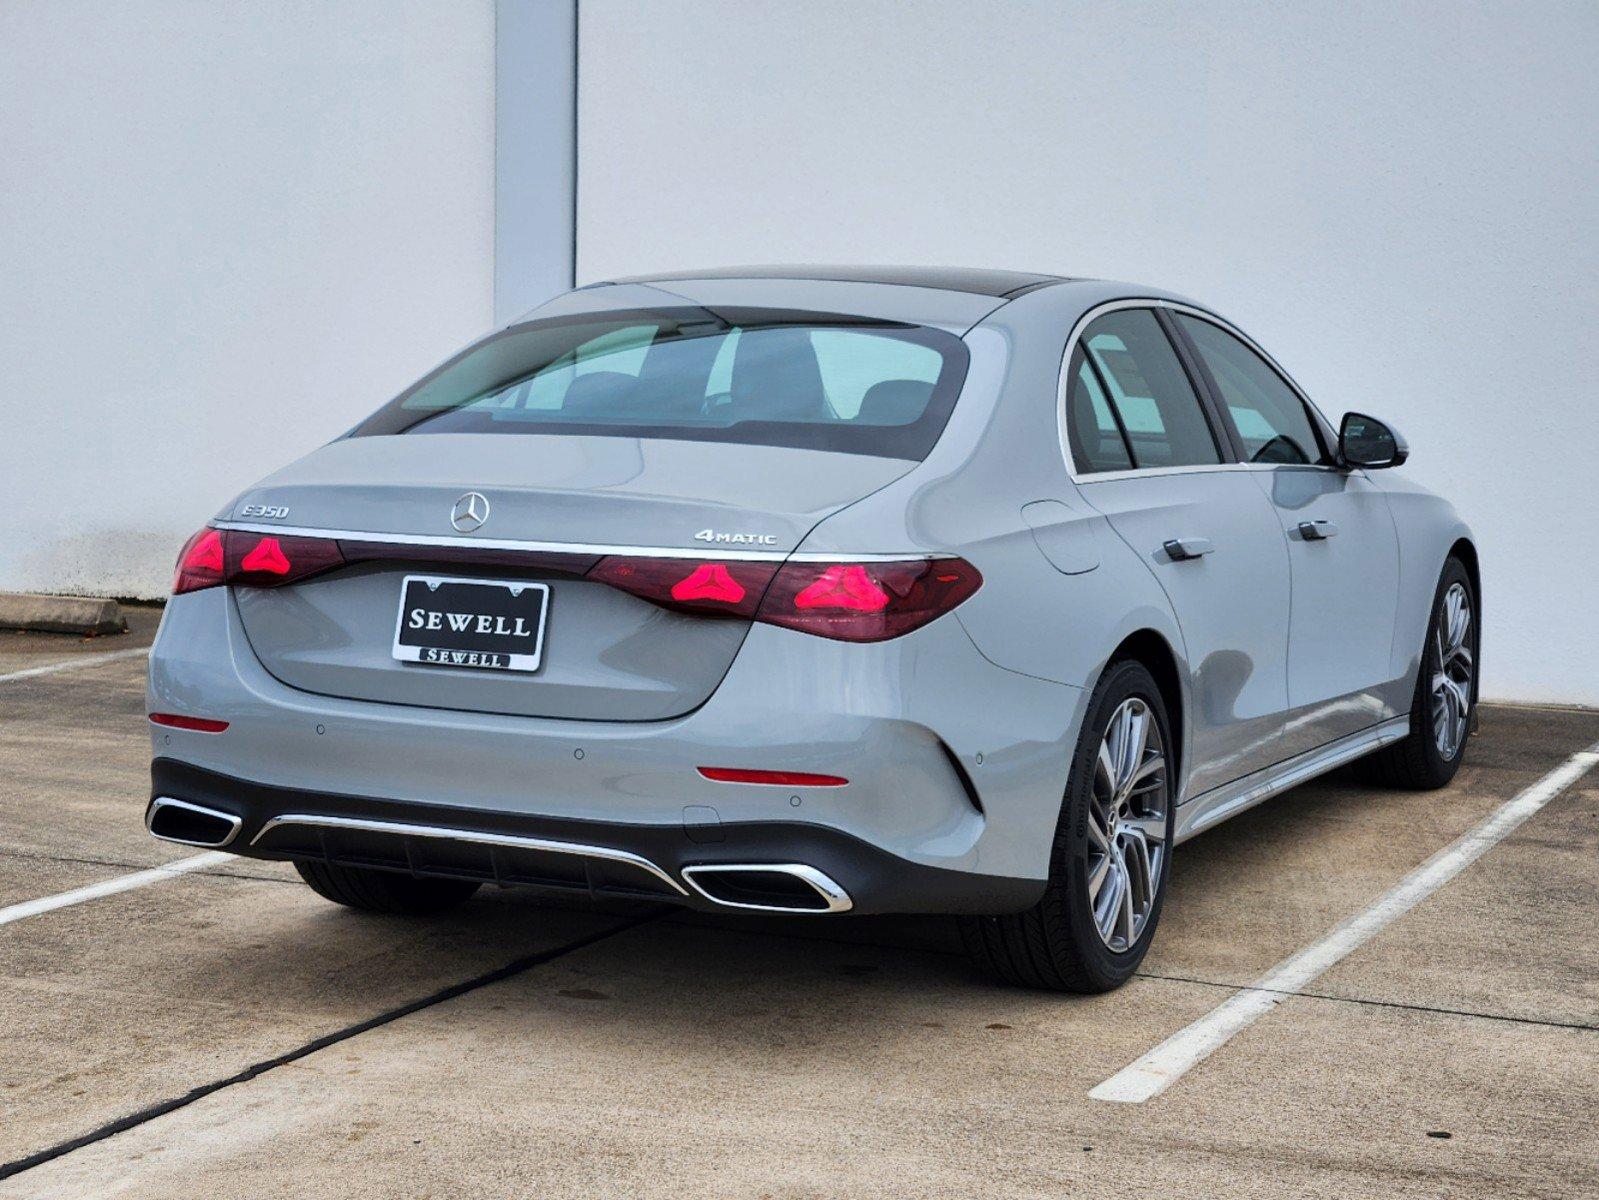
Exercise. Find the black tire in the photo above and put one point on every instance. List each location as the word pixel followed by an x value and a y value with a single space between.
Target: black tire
pixel 384 891
pixel 1055 945
pixel 1417 763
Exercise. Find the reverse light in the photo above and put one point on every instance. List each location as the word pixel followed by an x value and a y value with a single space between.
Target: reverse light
pixel 179 721
pixel 773 778
pixel 214 557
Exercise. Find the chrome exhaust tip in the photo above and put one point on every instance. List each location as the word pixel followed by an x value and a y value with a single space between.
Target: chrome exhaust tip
pixel 179 821
pixel 768 887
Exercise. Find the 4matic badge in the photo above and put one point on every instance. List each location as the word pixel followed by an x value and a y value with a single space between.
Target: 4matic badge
pixel 737 539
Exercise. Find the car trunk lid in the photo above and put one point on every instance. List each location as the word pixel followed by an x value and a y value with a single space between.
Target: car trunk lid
pixel 606 655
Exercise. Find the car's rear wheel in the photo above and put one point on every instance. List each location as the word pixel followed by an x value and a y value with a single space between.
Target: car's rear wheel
pixel 1440 711
pixel 384 891
pixel 1111 854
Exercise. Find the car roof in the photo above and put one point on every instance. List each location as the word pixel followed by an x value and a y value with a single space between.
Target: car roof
pixel 974 280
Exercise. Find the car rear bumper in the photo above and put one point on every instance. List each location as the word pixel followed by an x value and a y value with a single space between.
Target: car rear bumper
pixel 955 767
pixel 709 868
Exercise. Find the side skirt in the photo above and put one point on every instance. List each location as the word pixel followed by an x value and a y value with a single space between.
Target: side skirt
pixel 1216 805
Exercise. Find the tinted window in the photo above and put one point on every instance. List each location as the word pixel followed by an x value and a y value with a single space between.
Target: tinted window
pixel 1096 439
pixel 734 375
pixel 1269 417
pixel 1146 385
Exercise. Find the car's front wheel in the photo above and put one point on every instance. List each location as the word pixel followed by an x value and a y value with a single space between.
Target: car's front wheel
pixel 1446 686
pixel 1111 854
pixel 384 891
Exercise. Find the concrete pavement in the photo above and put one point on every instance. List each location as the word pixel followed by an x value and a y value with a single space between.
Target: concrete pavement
pixel 247 1039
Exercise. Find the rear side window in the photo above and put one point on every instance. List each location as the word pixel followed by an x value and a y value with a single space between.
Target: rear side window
pixel 1147 392
pixel 1267 414
pixel 755 376
pixel 1098 443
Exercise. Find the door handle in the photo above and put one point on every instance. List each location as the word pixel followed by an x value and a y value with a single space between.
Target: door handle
pixel 1317 531
pixel 1183 549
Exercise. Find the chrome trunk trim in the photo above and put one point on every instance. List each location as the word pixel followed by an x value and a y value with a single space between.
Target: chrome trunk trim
pixel 703 552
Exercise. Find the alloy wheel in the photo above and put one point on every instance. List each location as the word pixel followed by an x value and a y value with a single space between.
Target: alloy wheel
pixel 1452 672
pixel 1127 825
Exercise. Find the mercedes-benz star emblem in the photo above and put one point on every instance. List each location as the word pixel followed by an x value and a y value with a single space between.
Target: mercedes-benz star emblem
pixel 469 513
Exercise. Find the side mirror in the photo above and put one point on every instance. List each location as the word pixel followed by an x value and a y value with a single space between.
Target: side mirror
pixel 1366 442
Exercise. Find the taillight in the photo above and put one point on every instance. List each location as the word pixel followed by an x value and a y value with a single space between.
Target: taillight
pixel 717 589
pixel 230 556
pixel 199 563
pixel 270 560
pixel 867 602
pixel 856 602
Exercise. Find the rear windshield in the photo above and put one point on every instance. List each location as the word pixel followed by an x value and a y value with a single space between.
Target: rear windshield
pixel 757 376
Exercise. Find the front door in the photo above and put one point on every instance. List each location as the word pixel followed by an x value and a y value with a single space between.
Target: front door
pixel 1342 546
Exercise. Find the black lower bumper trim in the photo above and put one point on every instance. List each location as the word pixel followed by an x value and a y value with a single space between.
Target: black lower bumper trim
pixel 876 880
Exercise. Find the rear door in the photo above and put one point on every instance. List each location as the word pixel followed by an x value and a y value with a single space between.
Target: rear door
pixel 1343 549
pixel 1145 453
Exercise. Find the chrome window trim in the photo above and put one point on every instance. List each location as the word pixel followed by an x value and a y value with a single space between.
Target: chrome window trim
pixel 1063 382
pixel 704 551
pixel 508 840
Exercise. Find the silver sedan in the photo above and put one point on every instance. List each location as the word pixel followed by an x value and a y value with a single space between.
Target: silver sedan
pixel 816 591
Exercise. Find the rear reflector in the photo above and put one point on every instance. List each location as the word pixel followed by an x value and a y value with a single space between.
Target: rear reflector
pixel 198 724
pixel 774 778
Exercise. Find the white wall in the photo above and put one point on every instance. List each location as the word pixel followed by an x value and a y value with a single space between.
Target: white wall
pixel 1398 199
pixel 227 231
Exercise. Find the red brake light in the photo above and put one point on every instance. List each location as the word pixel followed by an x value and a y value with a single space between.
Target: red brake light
pixel 213 557
pixel 726 589
pixel 844 587
pixel 867 602
pixel 267 556
pixel 709 581
pixel 199 563
pixel 854 602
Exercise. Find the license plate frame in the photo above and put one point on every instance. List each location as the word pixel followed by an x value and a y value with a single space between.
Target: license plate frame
pixel 469 647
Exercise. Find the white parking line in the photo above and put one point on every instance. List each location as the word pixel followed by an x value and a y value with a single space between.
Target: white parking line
pixel 110 887
pixel 1168 1062
pixel 72 664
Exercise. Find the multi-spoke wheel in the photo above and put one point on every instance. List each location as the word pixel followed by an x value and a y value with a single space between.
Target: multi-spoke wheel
pixel 1111 853
pixel 1452 671
pixel 1440 714
pixel 1127 825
